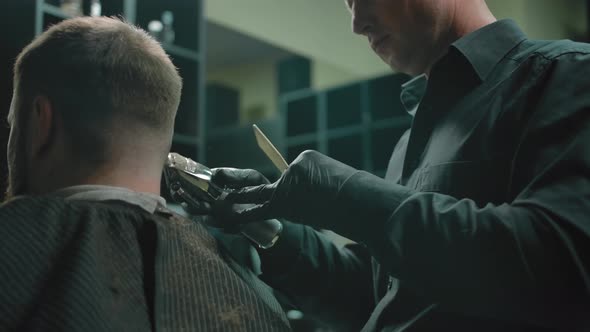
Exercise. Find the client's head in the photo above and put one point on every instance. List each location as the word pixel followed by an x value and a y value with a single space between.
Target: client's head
pixel 94 103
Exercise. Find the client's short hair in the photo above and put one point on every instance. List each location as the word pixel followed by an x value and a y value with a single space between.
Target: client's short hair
pixel 105 77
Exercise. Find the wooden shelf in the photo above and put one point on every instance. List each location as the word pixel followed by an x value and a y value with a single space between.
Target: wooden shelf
pixel 357 123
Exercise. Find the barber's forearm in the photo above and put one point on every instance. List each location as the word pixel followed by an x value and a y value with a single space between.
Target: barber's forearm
pixel 367 202
pixel 507 256
pixel 515 261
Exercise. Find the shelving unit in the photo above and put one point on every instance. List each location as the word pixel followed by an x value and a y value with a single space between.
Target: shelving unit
pixel 302 115
pixel 186 53
pixel 358 124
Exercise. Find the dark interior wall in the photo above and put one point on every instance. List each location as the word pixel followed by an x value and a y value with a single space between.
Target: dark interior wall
pixel 17 22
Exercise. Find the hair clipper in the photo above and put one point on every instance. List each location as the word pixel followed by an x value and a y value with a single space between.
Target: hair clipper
pixel 190 183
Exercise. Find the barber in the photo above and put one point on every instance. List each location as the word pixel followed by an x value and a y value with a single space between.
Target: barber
pixel 482 222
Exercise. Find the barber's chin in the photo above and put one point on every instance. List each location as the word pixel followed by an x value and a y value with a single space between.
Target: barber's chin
pixel 389 60
pixel 406 67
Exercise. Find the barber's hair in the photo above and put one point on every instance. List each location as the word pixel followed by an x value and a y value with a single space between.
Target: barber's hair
pixel 106 78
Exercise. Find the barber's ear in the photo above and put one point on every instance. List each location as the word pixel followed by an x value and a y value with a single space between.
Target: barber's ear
pixel 42 123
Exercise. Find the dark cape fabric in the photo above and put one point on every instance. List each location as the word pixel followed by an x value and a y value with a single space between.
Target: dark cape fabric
pixel 111 266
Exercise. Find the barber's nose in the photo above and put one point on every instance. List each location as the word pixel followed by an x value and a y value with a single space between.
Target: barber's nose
pixel 361 25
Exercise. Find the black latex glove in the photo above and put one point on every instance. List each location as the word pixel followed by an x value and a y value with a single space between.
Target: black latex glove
pixel 227 178
pixel 305 193
pixel 235 178
pixel 219 213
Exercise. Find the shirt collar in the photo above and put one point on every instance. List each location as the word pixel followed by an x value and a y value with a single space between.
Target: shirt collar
pixel 147 201
pixel 412 93
pixel 486 47
pixel 482 50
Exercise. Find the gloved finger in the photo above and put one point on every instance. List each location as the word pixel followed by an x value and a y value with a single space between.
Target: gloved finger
pixel 252 214
pixel 237 178
pixel 252 195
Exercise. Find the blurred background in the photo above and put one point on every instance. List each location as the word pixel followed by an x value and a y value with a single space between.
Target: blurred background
pixel 292 67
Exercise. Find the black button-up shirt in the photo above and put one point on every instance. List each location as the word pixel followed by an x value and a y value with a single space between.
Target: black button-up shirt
pixel 497 225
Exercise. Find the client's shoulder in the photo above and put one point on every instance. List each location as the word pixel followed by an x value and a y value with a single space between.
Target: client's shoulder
pixel 23 206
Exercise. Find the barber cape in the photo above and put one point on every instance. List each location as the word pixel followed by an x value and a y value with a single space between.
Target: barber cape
pixel 108 265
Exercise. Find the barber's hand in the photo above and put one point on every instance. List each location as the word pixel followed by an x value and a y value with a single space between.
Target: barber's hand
pixel 219 214
pixel 305 193
pixel 227 178
pixel 235 178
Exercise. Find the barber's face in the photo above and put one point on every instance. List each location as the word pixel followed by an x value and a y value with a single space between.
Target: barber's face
pixel 401 32
pixel 16 152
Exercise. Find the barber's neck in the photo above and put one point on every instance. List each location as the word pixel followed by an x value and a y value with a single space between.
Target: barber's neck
pixel 468 16
pixel 471 16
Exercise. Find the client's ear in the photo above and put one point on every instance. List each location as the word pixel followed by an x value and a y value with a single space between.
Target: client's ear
pixel 41 125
